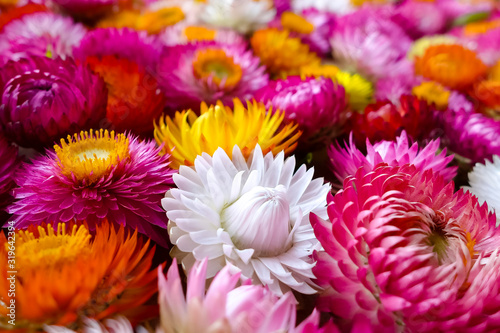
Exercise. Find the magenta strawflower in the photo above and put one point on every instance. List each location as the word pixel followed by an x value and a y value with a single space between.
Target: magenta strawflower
pixel 317 105
pixel 209 71
pixel 40 34
pixel 471 135
pixel 369 42
pixel 93 176
pixel 45 99
pixel 419 18
pixel 136 46
pixel 346 161
pixel 488 46
pixel 401 250
pixel 225 306
pixel 9 163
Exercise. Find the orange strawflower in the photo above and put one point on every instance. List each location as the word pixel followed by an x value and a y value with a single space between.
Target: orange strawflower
pixel 453 66
pixel 64 274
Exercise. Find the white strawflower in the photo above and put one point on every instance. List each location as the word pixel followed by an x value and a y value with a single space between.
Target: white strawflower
pixel 243 16
pixel 484 181
pixel 253 215
pixel 333 6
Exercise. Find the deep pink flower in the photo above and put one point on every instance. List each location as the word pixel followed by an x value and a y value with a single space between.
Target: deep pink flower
pixel 345 162
pixel 401 249
pixel 45 99
pixel 123 183
pixel 317 105
pixel 471 135
pixel 209 71
pixel 9 163
pixel 136 46
pixel 419 18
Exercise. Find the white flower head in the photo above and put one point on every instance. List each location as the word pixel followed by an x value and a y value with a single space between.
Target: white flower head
pixel 251 214
pixel 243 16
pixel 484 181
pixel 333 6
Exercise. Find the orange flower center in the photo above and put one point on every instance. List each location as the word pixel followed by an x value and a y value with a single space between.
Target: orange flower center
pixel 216 65
pixel 155 22
pixel 296 23
pixel 195 33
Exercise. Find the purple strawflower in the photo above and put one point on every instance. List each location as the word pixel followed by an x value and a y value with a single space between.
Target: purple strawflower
pixel 124 182
pixel 136 46
pixel 41 34
pixel 369 42
pixel 209 71
pixel 471 135
pixel 43 99
pixel 317 105
pixel 346 161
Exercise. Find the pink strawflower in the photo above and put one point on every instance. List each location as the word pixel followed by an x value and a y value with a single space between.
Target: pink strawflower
pixel 401 249
pixel 369 42
pixel 209 71
pixel 488 46
pixel 224 307
pixel 124 182
pixel 317 105
pixel 136 46
pixel 392 88
pixel 471 135
pixel 345 162
pixel 44 99
pixel 419 18
pixel 40 34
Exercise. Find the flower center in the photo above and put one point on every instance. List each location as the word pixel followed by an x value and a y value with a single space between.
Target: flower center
pixel 478 28
pixel 155 22
pixel 51 248
pixel 260 220
pixel 216 65
pixel 195 33
pixel 296 23
pixel 90 157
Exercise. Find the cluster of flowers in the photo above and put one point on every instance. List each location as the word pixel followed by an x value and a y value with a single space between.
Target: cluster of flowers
pixel 312 165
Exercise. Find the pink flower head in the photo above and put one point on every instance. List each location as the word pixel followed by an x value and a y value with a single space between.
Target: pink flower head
pixel 209 71
pixel 419 18
pixel 224 307
pixel 316 105
pixel 345 162
pixel 369 42
pixel 393 88
pixel 488 46
pixel 40 34
pixel 401 248
pixel 54 187
pixel 136 46
pixel 44 99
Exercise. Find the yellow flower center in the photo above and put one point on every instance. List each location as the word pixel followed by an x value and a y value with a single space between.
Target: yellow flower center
pixel 216 65
pixel 478 28
pixel 316 70
pixel 154 22
pixel 296 23
pixel 433 92
pixel 91 156
pixel 51 249
pixel 194 33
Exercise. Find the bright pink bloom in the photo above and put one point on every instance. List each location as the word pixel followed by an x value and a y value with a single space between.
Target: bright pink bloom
pixel 9 163
pixel 347 161
pixel 401 249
